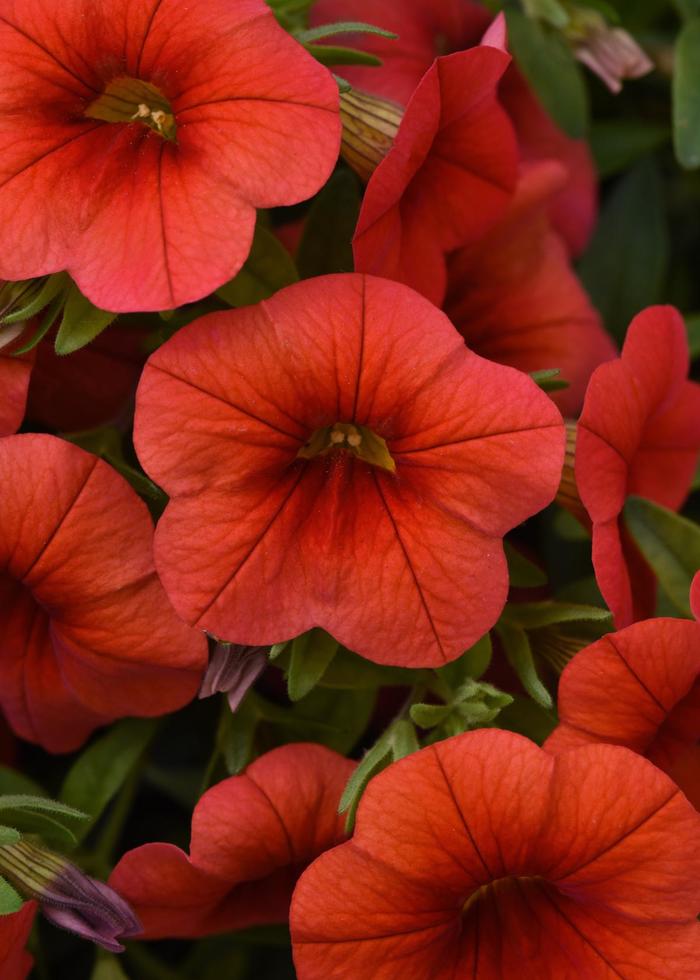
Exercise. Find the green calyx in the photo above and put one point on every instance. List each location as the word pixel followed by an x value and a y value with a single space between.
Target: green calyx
pixel 348 437
pixel 129 100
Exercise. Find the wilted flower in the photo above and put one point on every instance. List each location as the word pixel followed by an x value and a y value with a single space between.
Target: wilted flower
pixel 67 896
pixel 232 670
pixel 610 52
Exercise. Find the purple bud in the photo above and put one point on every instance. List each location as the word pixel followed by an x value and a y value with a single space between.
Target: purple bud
pixel 233 670
pixel 68 897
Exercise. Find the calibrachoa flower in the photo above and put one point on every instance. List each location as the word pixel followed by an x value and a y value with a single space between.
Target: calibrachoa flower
pixel 515 298
pixel 137 140
pixel 485 856
pixel 15 961
pixel 445 178
pixel 68 897
pixel 336 457
pixel 252 836
pixel 640 688
pixel 88 633
pixel 695 596
pixel 15 373
pixel 639 433
pixel 427 28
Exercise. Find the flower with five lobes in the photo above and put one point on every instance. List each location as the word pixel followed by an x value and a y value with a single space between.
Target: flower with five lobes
pixel 336 457
pixel 484 856
pixel 88 634
pixel 137 140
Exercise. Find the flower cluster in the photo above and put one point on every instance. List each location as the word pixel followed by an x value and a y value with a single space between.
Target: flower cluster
pixel 339 498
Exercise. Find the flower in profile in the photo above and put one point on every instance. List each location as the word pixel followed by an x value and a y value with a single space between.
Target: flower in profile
pixel 336 457
pixel 610 52
pixel 252 836
pixel 428 28
pixel 68 897
pixel 15 961
pixel 515 298
pixel 439 175
pixel 639 688
pixel 485 856
pixel 638 434
pixel 136 141
pixel 88 633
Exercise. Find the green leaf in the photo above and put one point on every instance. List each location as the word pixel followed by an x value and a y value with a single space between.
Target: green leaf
pixel 528 718
pixel 376 759
pixel 625 266
pixel 534 615
pixel 10 900
pixel 550 11
pixel 671 545
pixel 519 653
pixel 326 245
pixel 471 665
pixel 619 143
pixel 332 54
pixel 692 325
pixel 41 804
pixel 12 781
pixel 8 835
pixel 404 740
pixel 49 317
pixel 100 771
pixel 81 323
pixel 37 301
pixel 337 719
pixel 549 380
pixel 348 671
pixel 688 8
pixel 430 715
pixel 107 967
pixel 269 267
pixel 523 573
pixel 550 67
pixel 686 96
pixel 41 815
pixel 311 654
pixel 343 27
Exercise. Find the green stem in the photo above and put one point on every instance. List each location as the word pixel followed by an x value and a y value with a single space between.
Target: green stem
pixel 114 825
pixel 221 728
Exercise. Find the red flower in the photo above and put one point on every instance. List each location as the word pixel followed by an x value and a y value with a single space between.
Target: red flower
pixel 695 596
pixel 639 688
pixel 336 457
pixel 88 634
pixel 447 177
pixel 639 433
pixel 427 28
pixel 484 856
pixel 252 835
pixel 15 373
pixel 515 298
pixel 136 141
pixel 15 962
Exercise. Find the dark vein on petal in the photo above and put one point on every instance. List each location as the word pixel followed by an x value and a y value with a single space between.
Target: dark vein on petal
pixel 254 98
pixel 54 58
pixel 293 858
pixel 146 34
pixel 163 233
pixel 488 435
pixel 409 564
pixel 662 708
pixel 578 932
pixel 53 149
pixel 251 551
pixel 463 819
pixel 361 355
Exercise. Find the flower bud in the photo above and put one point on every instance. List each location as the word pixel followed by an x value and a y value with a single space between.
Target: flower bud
pixel 609 52
pixel 232 670
pixel 370 125
pixel 68 897
pixel 567 494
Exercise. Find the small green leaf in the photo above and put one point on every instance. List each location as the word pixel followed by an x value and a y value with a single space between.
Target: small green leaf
pixel 686 96
pixel 326 244
pixel 331 54
pixel 269 267
pixel 549 380
pixel 619 143
pixel 404 740
pixel 8 835
pixel 692 324
pixel 37 301
pixel 81 323
pixel 376 759
pixel 277 649
pixel 534 615
pixel 523 573
pixel 471 665
pixel 311 654
pixel 430 715
pixel 550 11
pixel 99 772
pixel 625 266
pixel 671 545
pixel 549 66
pixel 343 27
pixel 49 317
pixel 10 900
pixel 519 653
pixel 41 804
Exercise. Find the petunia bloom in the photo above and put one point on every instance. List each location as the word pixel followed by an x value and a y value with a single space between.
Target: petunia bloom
pixel 15 961
pixel 446 177
pixel 15 374
pixel 88 633
pixel 515 298
pixel 639 433
pixel 427 28
pixel 695 596
pixel 252 836
pixel 336 457
pixel 68 897
pixel 137 140
pixel 640 688
pixel 485 856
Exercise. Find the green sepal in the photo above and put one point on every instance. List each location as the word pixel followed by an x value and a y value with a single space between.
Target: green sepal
pixel 549 380
pixel 671 545
pixel 519 653
pixel 310 656
pixel 10 900
pixel 343 27
pixel 8 835
pixel 37 301
pixel 82 321
pixel 333 54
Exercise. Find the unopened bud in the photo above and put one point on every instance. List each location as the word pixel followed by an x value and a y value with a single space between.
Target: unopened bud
pixel 567 494
pixel 68 897
pixel 370 125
